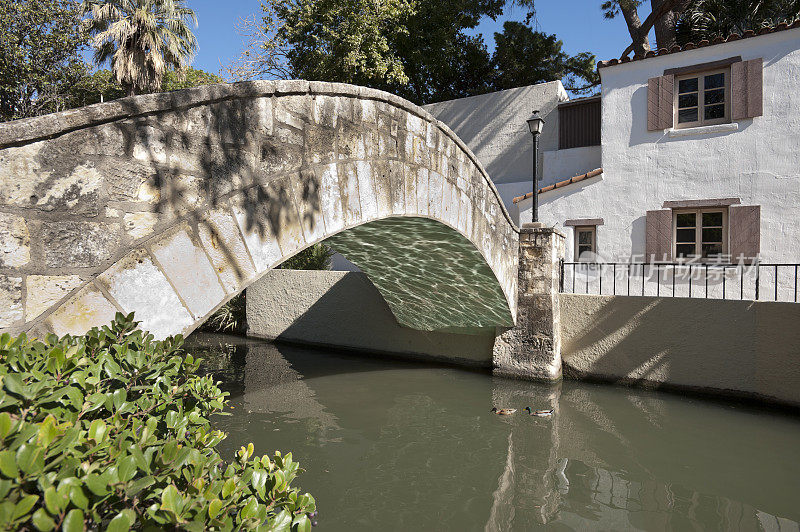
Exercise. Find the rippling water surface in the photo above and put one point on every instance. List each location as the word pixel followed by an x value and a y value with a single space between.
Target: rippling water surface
pixel 391 445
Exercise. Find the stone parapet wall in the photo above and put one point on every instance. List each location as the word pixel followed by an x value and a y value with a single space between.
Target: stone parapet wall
pixel 170 204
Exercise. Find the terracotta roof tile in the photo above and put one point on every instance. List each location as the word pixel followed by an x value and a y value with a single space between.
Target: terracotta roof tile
pixel 560 184
pixel 691 46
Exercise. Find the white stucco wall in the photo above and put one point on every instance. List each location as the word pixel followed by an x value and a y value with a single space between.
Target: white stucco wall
pixel 758 163
pixel 563 164
pixel 494 127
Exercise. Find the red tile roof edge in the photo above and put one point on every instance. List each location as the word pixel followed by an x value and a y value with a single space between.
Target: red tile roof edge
pixel 692 46
pixel 594 173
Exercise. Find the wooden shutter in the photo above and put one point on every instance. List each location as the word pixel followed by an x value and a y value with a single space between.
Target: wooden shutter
pixel 660 101
pixel 658 238
pixel 747 89
pixel 745 231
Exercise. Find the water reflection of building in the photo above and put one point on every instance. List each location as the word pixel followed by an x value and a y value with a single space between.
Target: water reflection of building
pixel 418 446
pixel 597 461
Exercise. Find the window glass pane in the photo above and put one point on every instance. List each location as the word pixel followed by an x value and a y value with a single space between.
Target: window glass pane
pixel 684 250
pixel 712 250
pixel 712 235
pixel 715 80
pixel 715 96
pixel 584 252
pixel 686 219
pixel 714 111
pixel 685 235
pixel 687 85
pixel 687 115
pixel 585 237
pixel 712 219
pixel 687 100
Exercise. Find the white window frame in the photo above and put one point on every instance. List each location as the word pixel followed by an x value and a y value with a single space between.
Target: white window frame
pixel 701 121
pixel 698 239
pixel 577 229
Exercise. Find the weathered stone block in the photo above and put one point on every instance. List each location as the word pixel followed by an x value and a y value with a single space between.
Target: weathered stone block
pixel 383 188
pixel 421 189
pixel 320 144
pixel 278 156
pixel 397 185
pixel 351 142
pixel 139 224
pixel 87 309
pixel 348 186
pixel 10 300
pixel 435 194
pixel 306 191
pixel 139 286
pixel 15 241
pixel 221 238
pixel 44 291
pixel 366 191
pixel 331 198
pixel 277 206
pixel 78 244
pixel 188 268
pixel 62 184
pixel 258 235
pixel 325 110
pixel 410 180
pixel 78 192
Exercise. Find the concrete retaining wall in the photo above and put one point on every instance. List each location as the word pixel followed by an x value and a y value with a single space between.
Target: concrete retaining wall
pixel 344 310
pixel 738 348
pixel 734 348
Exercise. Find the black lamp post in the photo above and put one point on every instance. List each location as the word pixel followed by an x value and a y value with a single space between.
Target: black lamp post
pixel 535 124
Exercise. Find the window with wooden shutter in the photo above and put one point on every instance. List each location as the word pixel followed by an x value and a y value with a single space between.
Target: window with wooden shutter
pixel 658 236
pixel 702 99
pixel 747 89
pixel 660 101
pixel 700 233
pixel 745 232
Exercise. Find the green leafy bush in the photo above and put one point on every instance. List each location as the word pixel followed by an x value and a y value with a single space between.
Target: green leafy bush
pixel 110 430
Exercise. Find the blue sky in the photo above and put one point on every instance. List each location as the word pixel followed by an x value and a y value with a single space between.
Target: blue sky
pixel 578 23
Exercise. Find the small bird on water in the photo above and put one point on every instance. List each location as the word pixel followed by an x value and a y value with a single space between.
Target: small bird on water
pixel 538 413
pixel 503 411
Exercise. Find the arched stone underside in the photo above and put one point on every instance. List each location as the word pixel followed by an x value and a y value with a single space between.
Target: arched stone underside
pixel 170 204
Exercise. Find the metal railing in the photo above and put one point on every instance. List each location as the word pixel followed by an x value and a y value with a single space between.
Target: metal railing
pixel 757 281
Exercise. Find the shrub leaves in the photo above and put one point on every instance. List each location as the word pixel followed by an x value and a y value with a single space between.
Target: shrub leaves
pixel 110 430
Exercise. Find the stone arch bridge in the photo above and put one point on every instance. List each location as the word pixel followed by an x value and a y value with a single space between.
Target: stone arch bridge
pixel 170 204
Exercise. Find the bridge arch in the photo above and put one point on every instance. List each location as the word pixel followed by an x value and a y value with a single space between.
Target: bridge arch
pixel 170 204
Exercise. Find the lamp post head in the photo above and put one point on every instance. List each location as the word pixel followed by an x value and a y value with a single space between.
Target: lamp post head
pixel 535 123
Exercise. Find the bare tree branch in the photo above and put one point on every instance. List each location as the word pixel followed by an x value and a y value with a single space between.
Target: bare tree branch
pixel 265 52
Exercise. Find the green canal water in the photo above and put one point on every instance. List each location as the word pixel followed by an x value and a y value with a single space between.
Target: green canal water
pixel 391 445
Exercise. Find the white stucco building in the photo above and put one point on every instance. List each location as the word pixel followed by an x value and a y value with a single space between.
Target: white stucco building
pixel 700 156
pixel 494 127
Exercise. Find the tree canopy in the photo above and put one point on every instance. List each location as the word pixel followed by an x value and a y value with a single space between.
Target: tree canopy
pixel 707 19
pixel 526 57
pixel 102 86
pixel 40 43
pixel 142 39
pixel 423 51
pixel 683 21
